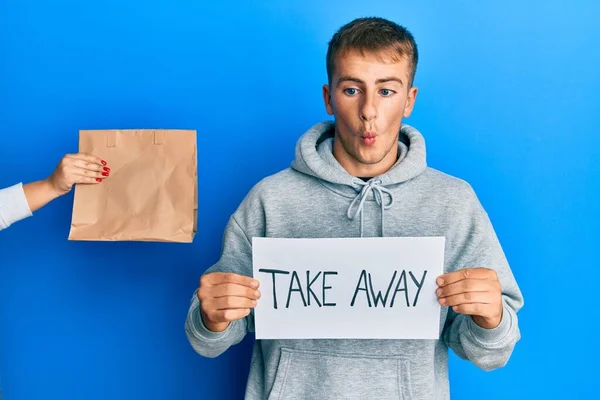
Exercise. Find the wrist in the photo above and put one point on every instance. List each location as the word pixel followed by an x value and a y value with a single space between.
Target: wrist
pixel 487 323
pixel 213 327
pixel 50 189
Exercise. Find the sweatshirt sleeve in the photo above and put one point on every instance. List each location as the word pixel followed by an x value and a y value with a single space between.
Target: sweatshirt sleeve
pixel 13 205
pixel 236 257
pixel 479 247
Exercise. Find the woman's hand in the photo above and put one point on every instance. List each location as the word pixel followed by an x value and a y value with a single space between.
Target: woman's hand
pixel 77 168
pixel 72 169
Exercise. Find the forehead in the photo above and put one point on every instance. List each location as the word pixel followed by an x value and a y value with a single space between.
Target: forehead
pixel 372 65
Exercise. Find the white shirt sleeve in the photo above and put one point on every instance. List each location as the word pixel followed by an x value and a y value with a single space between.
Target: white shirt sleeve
pixel 13 205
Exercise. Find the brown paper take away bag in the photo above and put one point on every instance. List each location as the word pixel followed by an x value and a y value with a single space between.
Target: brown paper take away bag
pixel 152 191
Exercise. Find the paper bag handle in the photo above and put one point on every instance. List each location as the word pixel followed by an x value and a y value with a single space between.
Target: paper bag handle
pixel 111 138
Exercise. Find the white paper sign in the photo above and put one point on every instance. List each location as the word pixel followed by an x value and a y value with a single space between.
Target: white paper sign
pixel 360 288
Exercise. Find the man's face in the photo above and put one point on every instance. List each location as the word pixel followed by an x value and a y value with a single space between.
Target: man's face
pixel 368 96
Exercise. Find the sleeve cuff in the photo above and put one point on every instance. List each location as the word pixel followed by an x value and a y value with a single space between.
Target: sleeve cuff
pixel 493 335
pixel 13 205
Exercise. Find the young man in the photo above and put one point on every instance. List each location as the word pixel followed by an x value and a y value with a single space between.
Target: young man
pixel 19 201
pixel 364 175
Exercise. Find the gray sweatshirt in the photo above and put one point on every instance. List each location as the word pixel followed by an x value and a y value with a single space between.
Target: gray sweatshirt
pixel 13 206
pixel 315 199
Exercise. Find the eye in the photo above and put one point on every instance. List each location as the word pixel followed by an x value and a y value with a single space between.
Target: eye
pixel 350 91
pixel 386 92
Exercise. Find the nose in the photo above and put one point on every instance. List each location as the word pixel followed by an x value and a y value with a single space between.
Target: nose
pixel 368 110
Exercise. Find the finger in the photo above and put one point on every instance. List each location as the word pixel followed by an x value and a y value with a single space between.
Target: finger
pixel 464 286
pixel 87 180
pixel 217 278
pixel 85 172
pixel 480 309
pixel 466 298
pixel 231 303
pixel 228 315
pixel 86 168
pixel 465 273
pixel 233 289
pixel 89 166
pixel 87 157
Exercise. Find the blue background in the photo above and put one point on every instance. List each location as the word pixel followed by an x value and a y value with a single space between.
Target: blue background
pixel 508 101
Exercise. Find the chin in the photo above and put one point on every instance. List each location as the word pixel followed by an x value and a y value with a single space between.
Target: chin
pixel 369 158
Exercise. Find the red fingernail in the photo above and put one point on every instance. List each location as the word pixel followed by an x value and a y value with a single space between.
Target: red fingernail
pixel 107 169
pixel 103 162
pixel 105 174
pixel 98 180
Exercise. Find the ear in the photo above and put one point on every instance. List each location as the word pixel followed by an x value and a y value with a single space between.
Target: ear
pixel 327 99
pixel 410 101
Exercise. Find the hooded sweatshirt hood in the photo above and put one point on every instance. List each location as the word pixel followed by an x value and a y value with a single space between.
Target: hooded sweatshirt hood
pixel 314 157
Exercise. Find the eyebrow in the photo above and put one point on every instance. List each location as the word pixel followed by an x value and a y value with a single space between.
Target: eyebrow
pixel 377 82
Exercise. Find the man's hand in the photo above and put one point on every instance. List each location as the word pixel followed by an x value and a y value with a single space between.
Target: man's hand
pixel 226 297
pixel 473 291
